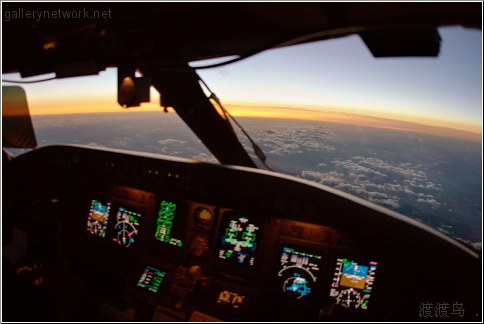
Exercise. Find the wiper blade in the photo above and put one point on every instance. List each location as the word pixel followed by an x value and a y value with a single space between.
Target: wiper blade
pixel 261 156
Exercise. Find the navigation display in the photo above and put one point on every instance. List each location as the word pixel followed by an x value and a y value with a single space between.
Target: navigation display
pixel 151 279
pixel 97 220
pixel 127 223
pixel 298 272
pixel 353 283
pixel 171 223
pixel 239 239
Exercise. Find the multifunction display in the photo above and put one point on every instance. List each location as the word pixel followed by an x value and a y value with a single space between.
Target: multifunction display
pixel 151 279
pixel 353 282
pixel 126 228
pixel 299 271
pixel 97 220
pixel 239 239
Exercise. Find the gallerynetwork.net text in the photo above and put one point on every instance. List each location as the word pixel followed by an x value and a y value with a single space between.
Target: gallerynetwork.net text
pixel 38 15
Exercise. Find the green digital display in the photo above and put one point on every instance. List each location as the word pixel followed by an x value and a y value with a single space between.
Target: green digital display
pixel 151 279
pixel 170 224
pixel 239 240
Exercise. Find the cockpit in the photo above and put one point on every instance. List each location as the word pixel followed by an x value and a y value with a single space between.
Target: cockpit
pixel 93 233
pixel 150 238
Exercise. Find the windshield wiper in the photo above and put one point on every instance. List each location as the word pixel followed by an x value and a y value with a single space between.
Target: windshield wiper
pixel 261 156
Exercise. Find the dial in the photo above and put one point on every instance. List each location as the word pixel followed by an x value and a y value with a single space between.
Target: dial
pixel 297 282
pixel 125 233
pixel 297 286
pixel 126 227
pixel 203 217
pixel 349 297
pixel 299 272
pixel 200 245
pixel 96 228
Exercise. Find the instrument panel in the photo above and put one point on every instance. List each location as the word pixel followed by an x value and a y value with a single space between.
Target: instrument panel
pixel 182 247
pixel 156 239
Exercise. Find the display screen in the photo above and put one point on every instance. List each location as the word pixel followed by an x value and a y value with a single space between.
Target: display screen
pixel 230 303
pixel 171 223
pixel 151 279
pixel 298 272
pixel 353 283
pixel 239 239
pixel 97 220
pixel 231 298
pixel 126 228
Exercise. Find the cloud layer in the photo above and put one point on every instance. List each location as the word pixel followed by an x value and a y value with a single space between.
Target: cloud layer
pixel 379 181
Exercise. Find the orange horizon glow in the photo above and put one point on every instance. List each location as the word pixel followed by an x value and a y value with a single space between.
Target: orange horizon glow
pixel 362 118
pixel 335 115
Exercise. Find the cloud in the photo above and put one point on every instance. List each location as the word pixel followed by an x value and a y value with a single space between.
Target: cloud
pixel 174 147
pixel 290 140
pixel 432 202
pixel 204 157
pixel 378 181
pixel 358 168
pixel 94 144
pixel 329 178
pixel 171 142
pixel 286 149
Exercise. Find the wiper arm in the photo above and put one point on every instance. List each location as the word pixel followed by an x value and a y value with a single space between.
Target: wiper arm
pixel 257 150
pixel 180 89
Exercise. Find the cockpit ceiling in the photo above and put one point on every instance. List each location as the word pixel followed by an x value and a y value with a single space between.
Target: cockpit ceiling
pixel 173 34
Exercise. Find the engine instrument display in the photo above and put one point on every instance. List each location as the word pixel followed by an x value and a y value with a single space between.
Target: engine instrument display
pixel 127 223
pixel 151 279
pixel 298 272
pixel 239 239
pixel 97 221
pixel 170 223
pixel 352 283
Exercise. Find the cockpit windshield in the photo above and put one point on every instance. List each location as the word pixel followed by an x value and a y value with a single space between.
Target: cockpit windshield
pixel 404 133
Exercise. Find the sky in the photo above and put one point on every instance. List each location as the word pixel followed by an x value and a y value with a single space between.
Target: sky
pixel 336 80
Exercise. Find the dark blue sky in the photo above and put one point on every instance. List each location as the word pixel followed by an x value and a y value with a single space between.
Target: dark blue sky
pixel 343 73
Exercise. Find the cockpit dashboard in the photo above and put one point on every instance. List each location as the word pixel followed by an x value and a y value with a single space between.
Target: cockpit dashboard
pixel 151 238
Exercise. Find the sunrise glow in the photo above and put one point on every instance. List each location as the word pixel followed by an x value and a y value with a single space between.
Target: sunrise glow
pixel 333 81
